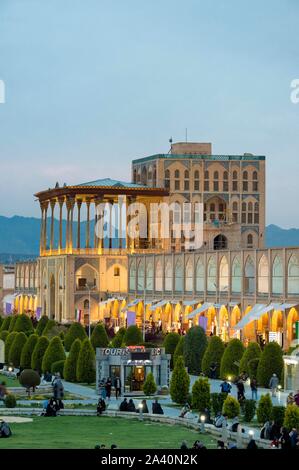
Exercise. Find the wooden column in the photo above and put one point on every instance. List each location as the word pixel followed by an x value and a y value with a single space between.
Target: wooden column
pixel 46 205
pixel 79 204
pixel 52 204
pixel 41 240
pixel 87 244
pixel 60 202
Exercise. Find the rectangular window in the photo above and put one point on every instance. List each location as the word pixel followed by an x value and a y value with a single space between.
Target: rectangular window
pixel 225 186
pixel 255 186
pixel 243 217
pixel 256 218
pixel 235 185
pixel 196 185
pixel 250 218
pixel 235 217
pixel 216 186
pixel 167 184
pixel 186 185
pixel 177 185
pixel 245 185
pixel 207 186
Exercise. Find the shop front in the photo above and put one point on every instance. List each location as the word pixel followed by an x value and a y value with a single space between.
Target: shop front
pixel 132 365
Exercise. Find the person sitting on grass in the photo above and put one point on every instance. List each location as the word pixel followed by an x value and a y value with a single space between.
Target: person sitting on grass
pixel 52 408
pixel 101 406
pixel 157 408
pixel 5 430
pixel 131 406
pixel 185 410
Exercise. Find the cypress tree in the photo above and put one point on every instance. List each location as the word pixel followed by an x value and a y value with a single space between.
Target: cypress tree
pixel 27 351
pixel 179 350
pixel 41 325
pixel 75 331
pixel 38 353
pixel 24 323
pixel 253 351
pixel 6 323
pixel 13 323
pixel 194 348
pixel 133 336
pixel 118 339
pixel 170 343
pixel 149 386
pixel 8 343
pixel 213 354
pixel 55 352
pixel 231 359
pixel 99 337
pixel 180 382
pixel 271 362
pixel 70 365
pixel 86 363
pixel 16 349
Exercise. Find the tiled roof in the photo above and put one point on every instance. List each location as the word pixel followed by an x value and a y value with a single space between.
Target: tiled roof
pixel 110 183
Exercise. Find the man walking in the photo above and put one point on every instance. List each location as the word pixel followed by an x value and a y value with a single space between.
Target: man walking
pixel 273 384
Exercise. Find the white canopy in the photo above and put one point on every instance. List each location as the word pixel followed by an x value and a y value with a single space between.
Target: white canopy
pixel 159 304
pixel 255 313
pixel 200 310
pixel 191 302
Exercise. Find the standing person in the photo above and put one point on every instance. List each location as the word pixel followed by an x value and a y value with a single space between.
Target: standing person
pixel 285 440
pixel 117 385
pixel 273 384
pixel 58 391
pixel 108 386
pixel 241 390
pixel 225 387
pixel 253 386
pixel 213 370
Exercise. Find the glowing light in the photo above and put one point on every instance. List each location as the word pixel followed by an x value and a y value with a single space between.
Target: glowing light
pixel 202 418
pixel 251 433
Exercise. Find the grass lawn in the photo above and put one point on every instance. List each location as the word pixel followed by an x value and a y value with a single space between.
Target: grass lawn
pixel 9 382
pixel 73 432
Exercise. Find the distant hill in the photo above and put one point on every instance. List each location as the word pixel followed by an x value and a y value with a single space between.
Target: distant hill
pixel 19 237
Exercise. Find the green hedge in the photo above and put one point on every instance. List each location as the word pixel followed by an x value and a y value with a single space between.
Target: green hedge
pixel 76 331
pixel 179 350
pixel 8 342
pixel 86 363
pixel 41 325
pixel 55 352
pixel 271 362
pixel 70 366
pixel 231 358
pixel 13 323
pixel 194 348
pixel 217 400
pixel 38 353
pixel 27 351
pixel 16 349
pixel 6 323
pixel 201 398
pixel 170 343
pixel 10 401
pixel 99 337
pixel 213 354
pixel 264 409
pixel 58 366
pixel 278 414
pixel 118 339
pixel 253 351
pixel 231 407
pixel 180 382
pixel 3 335
pixel 24 324
pixel 291 418
pixel 149 387
pixel 133 336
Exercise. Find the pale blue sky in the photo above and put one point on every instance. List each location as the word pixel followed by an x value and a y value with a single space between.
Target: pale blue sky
pixel 92 84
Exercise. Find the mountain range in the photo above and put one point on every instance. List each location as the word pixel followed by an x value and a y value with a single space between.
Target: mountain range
pixel 19 237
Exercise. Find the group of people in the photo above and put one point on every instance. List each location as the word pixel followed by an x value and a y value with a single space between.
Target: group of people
pixel 279 436
pixel 52 406
pixel 129 406
pixel 105 388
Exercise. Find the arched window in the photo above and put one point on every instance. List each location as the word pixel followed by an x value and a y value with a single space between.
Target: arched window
pixel 149 276
pixel 216 181
pixel 143 175
pixel 235 181
pixel 140 275
pixel 196 180
pixel 168 276
pixel 207 181
pixel 177 180
pixel 86 304
pixel 293 275
pixel 254 181
pixel 250 213
pixel 263 276
pixel 277 276
pixel 135 176
pixel 235 212
pixel 223 275
pixel 225 181
pixel 167 179
pixel 245 181
pixel 132 275
pixel 159 276
pixel 220 242
pixel 200 276
pixel 236 276
pixel 186 180
pixel 211 275
pixel 150 173
pixel 189 276
pixel 250 241
pixel 178 276
pixel 249 279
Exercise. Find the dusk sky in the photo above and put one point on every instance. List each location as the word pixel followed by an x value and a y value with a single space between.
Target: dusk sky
pixel 92 84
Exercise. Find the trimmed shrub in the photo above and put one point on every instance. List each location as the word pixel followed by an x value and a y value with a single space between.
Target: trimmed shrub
pixel 55 352
pixel 170 343
pixel 201 398
pixel 252 367
pixel 291 418
pixel 149 387
pixel 99 337
pixel 70 365
pixel 27 351
pixel 253 351
pixel 62 336
pixel 24 324
pixel 86 363
pixel 270 363
pixel 213 354
pixel 38 353
pixel 278 414
pixel 76 331
pixel 8 342
pixel 118 339
pixel 264 409
pixel 29 378
pixel 194 348
pixel 10 401
pixel 180 382
pixel 3 335
pixel 13 323
pixel 41 325
pixel 58 366
pixel 217 400
pixel 231 359
pixel 49 326
pixel 231 407
pixel 16 349
pixel 133 336
pixel 6 323
pixel 179 350
pixel 249 409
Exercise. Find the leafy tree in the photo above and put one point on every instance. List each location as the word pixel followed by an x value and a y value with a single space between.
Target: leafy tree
pixel 201 398
pixel 3 335
pixel 13 323
pixel 38 353
pixel 41 325
pixel 217 400
pixel 271 362
pixel 76 331
pixel 149 387
pixel 27 351
pixel 253 351
pixel 249 408
pixel 213 354
pixel 180 382
pixel 231 407
pixel 133 336
pixel 54 353
pixel 86 363
pixel 118 339
pixel 24 324
pixel 70 365
pixel 6 323
pixel 278 414
pixel 99 337
pixel 29 379
pixel 58 367
pixel 231 359
pixel 8 343
pixel 194 348
pixel 264 409
pixel 16 349
pixel 170 343
pixel 179 350
pixel 291 419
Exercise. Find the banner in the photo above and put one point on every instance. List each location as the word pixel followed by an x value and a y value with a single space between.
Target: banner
pixel 38 313
pixel 131 318
pixel 8 309
pixel 203 322
pixel 78 315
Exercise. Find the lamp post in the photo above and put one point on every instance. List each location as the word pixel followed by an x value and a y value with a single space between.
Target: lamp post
pixel 202 424
pixel 140 406
pixel 89 287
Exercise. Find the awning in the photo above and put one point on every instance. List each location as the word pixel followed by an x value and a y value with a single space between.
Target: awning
pixel 286 306
pixel 234 304
pixel 132 304
pixel 200 310
pixel 219 305
pixel 159 304
pixel 191 302
pixel 255 313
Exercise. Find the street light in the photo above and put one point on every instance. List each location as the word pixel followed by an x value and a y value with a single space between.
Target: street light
pixel 140 406
pixel 202 425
